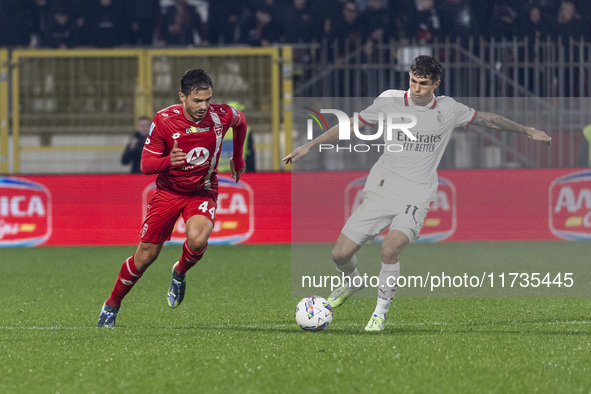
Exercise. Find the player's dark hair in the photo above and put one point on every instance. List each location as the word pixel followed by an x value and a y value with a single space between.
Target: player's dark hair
pixel 424 66
pixel 195 80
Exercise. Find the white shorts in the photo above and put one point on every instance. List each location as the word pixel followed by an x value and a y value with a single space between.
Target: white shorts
pixel 397 204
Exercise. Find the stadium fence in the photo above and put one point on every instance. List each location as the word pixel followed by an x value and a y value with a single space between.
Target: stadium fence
pixel 73 111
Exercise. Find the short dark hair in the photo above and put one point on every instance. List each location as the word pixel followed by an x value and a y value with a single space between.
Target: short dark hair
pixel 424 66
pixel 195 80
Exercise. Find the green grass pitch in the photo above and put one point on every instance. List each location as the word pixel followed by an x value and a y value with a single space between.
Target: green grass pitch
pixel 235 332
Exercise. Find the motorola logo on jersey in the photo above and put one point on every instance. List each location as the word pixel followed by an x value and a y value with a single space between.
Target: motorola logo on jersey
pixel 197 156
pixel 570 206
pixel 25 212
pixel 440 222
pixel 234 216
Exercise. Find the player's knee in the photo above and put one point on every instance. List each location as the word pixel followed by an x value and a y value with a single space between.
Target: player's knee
pixel 391 253
pixel 198 232
pixel 144 257
pixel 197 240
pixel 339 257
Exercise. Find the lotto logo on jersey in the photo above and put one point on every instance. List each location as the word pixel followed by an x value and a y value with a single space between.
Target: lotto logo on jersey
pixel 570 206
pixel 440 222
pixel 25 212
pixel 234 216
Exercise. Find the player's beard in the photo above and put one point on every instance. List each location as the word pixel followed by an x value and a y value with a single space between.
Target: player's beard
pixel 198 116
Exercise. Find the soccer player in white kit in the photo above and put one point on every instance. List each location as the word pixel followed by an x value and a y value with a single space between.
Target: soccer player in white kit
pixel 403 182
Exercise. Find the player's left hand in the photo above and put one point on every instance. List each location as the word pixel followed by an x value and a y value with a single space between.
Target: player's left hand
pixel 177 156
pixel 236 174
pixel 539 135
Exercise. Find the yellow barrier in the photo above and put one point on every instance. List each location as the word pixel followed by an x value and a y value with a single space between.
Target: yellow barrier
pixel 63 94
pixel 287 88
pixel 4 140
pixel 247 75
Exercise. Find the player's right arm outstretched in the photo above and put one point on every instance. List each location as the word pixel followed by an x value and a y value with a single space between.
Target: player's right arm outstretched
pixel 303 150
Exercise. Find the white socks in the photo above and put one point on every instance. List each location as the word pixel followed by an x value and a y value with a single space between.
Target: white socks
pixel 349 269
pixel 387 286
pixel 387 283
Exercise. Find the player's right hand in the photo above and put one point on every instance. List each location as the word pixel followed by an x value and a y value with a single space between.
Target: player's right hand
pixel 177 157
pixel 297 154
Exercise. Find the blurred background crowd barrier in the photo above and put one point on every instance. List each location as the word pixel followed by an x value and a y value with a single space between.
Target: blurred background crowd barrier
pixel 73 110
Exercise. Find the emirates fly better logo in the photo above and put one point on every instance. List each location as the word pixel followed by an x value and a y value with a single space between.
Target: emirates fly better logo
pixel 25 212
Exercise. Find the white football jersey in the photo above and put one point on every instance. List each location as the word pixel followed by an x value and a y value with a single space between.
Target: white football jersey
pixel 416 160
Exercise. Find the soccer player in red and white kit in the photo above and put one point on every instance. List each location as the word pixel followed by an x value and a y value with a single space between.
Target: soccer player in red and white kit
pixel 183 148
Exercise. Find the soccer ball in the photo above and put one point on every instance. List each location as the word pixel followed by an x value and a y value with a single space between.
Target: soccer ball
pixel 313 313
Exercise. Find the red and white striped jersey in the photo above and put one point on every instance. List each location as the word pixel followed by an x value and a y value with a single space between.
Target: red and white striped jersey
pixel 201 142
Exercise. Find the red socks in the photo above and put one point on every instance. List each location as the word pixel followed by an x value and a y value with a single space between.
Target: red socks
pixel 127 277
pixel 188 259
pixel 129 274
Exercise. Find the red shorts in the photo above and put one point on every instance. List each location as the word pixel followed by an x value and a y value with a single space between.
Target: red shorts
pixel 165 208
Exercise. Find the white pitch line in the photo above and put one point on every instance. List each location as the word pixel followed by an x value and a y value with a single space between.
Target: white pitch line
pixel 46 328
pixel 250 326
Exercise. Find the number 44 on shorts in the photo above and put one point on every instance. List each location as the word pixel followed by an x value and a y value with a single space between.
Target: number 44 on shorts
pixel 203 208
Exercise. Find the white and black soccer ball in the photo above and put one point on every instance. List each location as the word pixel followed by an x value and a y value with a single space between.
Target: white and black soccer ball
pixel 313 313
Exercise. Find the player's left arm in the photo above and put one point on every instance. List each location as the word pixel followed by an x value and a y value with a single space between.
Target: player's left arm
pixel 239 131
pixel 498 122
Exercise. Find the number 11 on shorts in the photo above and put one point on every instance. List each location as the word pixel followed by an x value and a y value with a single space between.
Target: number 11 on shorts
pixel 414 209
